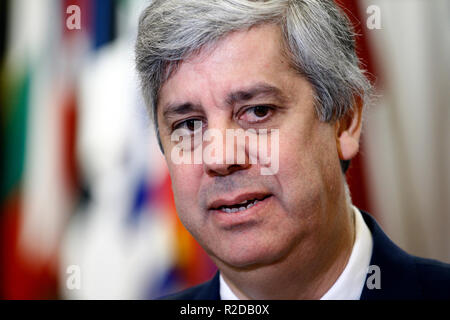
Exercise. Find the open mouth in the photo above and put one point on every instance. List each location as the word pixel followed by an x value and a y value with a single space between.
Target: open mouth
pixel 241 206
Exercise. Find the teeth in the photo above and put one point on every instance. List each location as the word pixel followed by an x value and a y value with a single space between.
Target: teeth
pixel 248 206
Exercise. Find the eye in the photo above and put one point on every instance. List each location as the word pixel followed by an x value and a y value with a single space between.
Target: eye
pixel 261 111
pixel 189 124
pixel 256 113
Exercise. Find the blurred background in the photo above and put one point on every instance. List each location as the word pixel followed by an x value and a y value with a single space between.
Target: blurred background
pixel 87 210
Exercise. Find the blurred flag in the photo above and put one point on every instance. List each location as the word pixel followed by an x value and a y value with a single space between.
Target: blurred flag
pixel 35 197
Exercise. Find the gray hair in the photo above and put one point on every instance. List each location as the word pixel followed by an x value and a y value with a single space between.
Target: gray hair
pixel 318 36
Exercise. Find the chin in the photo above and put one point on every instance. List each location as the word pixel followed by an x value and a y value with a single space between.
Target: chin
pixel 248 257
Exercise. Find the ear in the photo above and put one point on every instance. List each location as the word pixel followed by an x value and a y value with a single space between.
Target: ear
pixel 348 131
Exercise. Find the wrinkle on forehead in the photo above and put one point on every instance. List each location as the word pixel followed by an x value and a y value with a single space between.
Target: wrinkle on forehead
pixel 264 47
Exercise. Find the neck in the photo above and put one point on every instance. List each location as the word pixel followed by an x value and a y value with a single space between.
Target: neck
pixel 304 273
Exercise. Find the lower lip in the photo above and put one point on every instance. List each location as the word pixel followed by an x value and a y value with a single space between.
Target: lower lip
pixel 231 219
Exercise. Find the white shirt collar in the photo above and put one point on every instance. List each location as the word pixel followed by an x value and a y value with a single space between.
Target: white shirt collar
pixel 350 283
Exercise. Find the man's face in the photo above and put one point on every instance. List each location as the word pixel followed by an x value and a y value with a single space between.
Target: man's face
pixel 221 87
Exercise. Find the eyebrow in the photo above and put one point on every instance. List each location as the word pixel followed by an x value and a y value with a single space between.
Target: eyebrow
pixel 180 109
pixel 257 90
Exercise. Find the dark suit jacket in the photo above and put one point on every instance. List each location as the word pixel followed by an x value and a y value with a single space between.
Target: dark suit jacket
pixel 403 276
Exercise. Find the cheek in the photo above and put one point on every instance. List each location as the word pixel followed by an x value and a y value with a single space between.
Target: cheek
pixel 186 180
pixel 306 161
pixel 185 183
pixel 296 159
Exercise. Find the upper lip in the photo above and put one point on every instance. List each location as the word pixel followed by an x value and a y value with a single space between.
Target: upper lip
pixel 238 199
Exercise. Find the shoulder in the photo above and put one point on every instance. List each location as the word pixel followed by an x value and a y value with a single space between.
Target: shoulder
pixel 404 276
pixel 434 278
pixel 209 290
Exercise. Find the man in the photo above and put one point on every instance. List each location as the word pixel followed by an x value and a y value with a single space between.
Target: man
pixel 283 69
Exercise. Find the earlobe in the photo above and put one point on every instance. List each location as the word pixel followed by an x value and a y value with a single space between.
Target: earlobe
pixel 348 146
pixel 348 132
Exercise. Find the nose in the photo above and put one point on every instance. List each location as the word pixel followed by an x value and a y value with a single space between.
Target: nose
pixel 224 169
pixel 232 158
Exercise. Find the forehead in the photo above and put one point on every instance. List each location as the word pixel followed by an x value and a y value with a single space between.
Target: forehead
pixel 239 60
